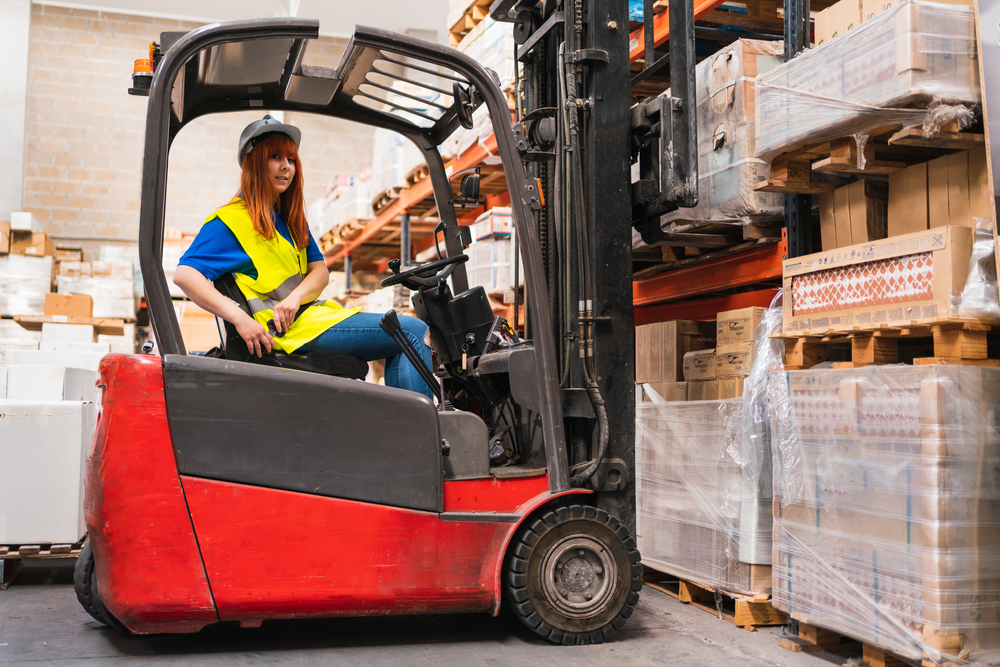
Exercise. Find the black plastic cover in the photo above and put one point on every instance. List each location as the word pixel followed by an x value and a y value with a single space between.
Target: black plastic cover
pixel 303 432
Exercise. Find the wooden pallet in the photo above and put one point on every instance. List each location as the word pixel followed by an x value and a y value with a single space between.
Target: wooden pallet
pixel 887 150
pixel 814 639
pixel 747 611
pixel 416 175
pixel 384 198
pixel 955 342
pixel 12 554
pixel 108 326
pixel 461 24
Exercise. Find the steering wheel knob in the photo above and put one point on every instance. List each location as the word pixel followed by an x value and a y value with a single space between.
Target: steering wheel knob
pixel 394 265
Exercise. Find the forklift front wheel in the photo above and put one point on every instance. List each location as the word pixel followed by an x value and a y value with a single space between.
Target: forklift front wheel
pixel 572 576
pixel 85 585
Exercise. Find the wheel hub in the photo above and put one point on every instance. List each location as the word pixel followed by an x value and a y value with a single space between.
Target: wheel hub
pixel 578 576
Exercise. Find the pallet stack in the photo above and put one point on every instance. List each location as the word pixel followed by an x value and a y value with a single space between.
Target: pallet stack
pixel 884 473
pixel 703 491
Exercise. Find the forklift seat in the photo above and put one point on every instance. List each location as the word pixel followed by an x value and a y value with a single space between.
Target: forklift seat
pixel 235 349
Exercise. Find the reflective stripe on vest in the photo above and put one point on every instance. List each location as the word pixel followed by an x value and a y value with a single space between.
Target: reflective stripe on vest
pixel 281 267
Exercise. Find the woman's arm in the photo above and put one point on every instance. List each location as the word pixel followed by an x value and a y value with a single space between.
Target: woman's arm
pixel 200 289
pixel 316 280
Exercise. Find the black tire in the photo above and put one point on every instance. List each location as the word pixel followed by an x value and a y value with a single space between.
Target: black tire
pixel 573 575
pixel 85 585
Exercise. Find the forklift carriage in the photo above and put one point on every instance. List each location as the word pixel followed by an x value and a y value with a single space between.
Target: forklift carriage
pixel 221 490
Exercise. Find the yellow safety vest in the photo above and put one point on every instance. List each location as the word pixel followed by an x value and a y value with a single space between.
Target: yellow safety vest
pixel 280 268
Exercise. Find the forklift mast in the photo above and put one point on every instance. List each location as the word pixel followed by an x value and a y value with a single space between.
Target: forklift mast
pixel 575 112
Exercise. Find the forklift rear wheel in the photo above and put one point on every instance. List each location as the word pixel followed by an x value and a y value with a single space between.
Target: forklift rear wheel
pixel 85 585
pixel 572 576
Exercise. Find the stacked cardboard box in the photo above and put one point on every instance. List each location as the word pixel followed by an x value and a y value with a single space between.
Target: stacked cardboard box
pixel 491 258
pixel 836 20
pixel 110 284
pixel 885 524
pixel 950 190
pixel 909 55
pixel 49 398
pixel 727 140
pixel 917 277
pixel 853 214
pixel 659 354
pixel 735 332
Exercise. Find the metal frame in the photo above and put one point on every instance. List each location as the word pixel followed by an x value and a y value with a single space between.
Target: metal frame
pixel 798 208
pixel 164 121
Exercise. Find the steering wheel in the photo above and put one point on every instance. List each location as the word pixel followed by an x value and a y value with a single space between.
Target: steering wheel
pixel 426 275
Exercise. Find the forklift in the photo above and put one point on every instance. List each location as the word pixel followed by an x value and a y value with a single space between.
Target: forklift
pixel 227 488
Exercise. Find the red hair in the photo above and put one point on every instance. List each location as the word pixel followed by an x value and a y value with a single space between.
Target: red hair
pixel 261 197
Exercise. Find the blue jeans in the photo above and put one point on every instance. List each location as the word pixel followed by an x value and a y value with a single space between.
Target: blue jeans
pixel 360 336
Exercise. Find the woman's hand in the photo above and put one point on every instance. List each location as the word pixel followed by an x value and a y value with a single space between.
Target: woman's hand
pixel 254 335
pixel 284 313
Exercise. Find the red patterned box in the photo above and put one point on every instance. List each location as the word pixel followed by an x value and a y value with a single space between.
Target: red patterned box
pixel 893 282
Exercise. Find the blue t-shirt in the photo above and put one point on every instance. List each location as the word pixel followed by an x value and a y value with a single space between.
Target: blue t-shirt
pixel 216 251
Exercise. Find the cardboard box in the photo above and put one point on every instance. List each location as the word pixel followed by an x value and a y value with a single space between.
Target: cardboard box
pixel 27 243
pixel 24 282
pixel 733 360
pixel 660 348
pixel 669 391
pixel 24 221
pixel 872 8
pixel 70 305
pixel 67 346
pixel 69 333
pixel 886 63
pixel 43 447
pixel 837 20
pixel 908 200
pixel 855 213
pixel 699 365
pixel 703 390
pixel 51 383
pixel 730 387
pixel 959 190
pixel 4 238
pixel 70 359
pixel 737 326
pixel 897 281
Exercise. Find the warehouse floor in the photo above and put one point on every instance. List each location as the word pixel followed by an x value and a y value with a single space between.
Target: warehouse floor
pixel 41 622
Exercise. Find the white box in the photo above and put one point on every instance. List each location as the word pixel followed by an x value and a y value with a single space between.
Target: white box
pixel 88 360
pixel 43 445
pixel 71 346
pixel 51 383
pixel 124 344
pixel 24 221
pixel 67 333
pixel 3 382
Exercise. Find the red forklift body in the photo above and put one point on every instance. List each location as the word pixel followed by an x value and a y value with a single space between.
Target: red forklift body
pixel 175 553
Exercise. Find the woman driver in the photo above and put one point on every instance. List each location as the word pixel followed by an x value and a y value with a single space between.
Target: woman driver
pixel 262 237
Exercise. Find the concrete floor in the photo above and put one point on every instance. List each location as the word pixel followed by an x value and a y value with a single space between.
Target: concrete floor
pixel 41 622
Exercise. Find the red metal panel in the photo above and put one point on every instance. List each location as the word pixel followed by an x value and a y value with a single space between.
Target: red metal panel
pixel 661 28
pixel 702 309
pixel 492 495
pixel 149 570
pixel 749 267
pixel 346 558
pixel 277 554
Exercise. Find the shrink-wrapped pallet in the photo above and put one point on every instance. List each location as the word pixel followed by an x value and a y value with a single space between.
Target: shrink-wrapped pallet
pixel 727 166
pixel 703 481
pixel 917 54
pixel 24 282
pixel 110 284
pixel 887 484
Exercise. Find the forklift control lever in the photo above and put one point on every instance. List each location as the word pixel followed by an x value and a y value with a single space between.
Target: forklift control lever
pixel 390 325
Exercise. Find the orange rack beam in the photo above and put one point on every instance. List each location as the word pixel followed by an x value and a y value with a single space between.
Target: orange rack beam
pixel 661 28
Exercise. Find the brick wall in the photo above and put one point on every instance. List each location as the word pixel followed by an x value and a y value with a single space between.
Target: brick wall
pixel 84 133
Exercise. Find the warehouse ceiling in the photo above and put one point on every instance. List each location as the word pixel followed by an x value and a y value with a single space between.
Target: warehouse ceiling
pixel 336 17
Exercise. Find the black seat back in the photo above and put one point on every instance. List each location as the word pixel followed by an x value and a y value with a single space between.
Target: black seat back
pixel 235 348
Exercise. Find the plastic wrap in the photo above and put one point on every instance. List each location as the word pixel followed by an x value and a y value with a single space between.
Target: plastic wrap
pixel 917 53
pixel 980 298
pixel 727 168
pixel 703 485
pixel 887 514
pixel 24 282
pixel 918 278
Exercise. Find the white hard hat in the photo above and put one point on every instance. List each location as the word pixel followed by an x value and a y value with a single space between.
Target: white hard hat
pixel 259 129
